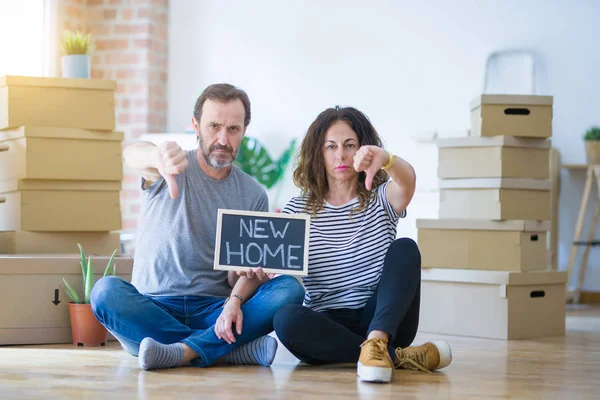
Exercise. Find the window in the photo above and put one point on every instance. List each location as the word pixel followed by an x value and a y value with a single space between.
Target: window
pixel 25 39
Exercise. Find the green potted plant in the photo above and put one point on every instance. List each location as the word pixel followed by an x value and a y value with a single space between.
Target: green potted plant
pixel 76 60
pixel 85 328
pixel 592 145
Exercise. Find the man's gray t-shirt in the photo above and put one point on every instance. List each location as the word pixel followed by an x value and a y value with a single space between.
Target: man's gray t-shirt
pixel 175 242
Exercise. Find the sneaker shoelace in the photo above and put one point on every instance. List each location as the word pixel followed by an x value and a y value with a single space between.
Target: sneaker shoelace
pixel 414 360
pixel 377 350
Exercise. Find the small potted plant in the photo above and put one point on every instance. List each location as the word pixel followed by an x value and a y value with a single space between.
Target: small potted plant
pixel 85 328
pixel 76 60
pixel 592 145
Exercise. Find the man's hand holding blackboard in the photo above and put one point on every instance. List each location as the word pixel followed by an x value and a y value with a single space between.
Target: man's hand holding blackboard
pixel 259 274
pixel 171 160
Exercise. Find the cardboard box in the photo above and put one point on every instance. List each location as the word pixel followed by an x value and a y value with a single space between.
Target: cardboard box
pixel 28 285
pixel 493 304
pixel 58 102
pixel 31 152
pixel 480 244
pixel 24 242
pixel 513 115
pixel 496 199
pixel 62 206
pixel 494 157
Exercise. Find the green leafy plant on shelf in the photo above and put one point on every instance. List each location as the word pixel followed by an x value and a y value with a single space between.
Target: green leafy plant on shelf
pixel 592 134
pixel 591 140
pixel 87 270
pixel 76 43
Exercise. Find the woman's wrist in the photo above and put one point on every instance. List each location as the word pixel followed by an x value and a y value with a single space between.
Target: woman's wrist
pixel 391 160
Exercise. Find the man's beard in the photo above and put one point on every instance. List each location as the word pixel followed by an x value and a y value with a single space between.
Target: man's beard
pixel 213 160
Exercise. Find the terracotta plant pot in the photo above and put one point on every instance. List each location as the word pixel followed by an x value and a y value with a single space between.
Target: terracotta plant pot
pixel 85 328
pixel 592 151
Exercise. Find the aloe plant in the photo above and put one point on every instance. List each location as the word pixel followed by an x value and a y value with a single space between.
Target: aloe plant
pixel 87 270
pixel 254 159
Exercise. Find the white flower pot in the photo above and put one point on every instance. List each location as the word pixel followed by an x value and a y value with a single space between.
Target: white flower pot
pixel 75 66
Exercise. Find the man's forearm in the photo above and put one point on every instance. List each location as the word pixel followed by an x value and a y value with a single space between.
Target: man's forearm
pixel 232 278
pixel 245 287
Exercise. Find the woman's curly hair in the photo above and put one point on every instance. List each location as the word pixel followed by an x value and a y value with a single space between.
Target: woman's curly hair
pixel 309 173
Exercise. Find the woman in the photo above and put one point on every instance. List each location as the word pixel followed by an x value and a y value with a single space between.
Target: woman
pixel 363 286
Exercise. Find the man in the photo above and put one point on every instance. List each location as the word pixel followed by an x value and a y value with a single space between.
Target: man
pixel 177 309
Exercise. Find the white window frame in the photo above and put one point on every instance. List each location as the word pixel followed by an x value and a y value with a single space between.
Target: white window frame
pixel 46 63
pixel 51 37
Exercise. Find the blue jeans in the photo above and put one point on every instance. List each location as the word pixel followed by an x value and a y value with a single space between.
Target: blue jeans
pixel 130 316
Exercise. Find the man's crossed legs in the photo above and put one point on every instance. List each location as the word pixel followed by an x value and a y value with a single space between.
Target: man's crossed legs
pixel 167 322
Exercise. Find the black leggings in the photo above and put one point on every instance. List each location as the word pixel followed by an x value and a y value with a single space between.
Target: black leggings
pixel 336 335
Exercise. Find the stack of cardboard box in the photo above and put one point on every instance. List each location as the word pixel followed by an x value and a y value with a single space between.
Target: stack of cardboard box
pixel 485 260
pixel 60 178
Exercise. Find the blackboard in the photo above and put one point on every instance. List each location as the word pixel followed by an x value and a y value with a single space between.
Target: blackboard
pixel 276 242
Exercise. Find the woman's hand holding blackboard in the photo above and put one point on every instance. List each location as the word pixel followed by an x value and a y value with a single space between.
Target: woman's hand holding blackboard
pixel 259 274
pixel 232 313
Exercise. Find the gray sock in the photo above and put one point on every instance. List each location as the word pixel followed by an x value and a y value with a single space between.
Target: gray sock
pixel 156 355
pixel 260 351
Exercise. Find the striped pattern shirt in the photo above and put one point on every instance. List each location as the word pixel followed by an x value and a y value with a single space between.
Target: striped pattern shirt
pixel 346 253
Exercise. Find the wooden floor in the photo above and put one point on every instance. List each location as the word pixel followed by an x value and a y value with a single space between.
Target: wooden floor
pixel 551 368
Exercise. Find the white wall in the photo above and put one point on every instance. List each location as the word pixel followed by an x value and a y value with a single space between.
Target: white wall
pixel 411 66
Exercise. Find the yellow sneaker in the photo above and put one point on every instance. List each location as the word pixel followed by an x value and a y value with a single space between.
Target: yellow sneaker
pixel 374 363
pixel 427 357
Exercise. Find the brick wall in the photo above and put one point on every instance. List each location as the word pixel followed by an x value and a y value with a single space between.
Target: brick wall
pixel 72 15
pixel 131 48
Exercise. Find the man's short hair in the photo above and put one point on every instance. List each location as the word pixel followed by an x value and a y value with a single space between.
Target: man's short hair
pixel 223 92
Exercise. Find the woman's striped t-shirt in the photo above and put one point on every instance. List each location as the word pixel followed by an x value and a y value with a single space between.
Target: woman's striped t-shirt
pixel 346 253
